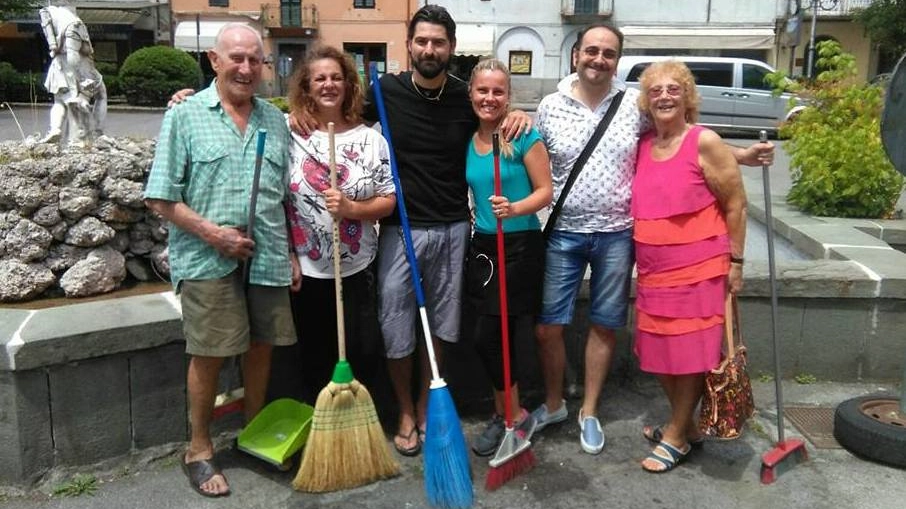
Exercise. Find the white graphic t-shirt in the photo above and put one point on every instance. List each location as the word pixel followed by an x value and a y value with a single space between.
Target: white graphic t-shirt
pixel 599 198
pixel 363 171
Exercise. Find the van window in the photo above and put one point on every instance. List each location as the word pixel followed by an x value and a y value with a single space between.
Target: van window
pixel 753 77
pixel 712 74
pixel 636 71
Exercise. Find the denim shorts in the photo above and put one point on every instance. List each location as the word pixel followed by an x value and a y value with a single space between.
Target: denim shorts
pixel 610 256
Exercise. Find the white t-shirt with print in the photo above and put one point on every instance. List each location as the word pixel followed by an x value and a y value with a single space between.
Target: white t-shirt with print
pixel 599 198
pixel 363 171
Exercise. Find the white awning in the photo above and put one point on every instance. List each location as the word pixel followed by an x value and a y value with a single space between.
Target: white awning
pixel 475 40
pixel 184 37
pixel 698 37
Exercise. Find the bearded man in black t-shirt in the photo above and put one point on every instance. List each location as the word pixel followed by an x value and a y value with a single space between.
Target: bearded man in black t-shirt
pixel 431 121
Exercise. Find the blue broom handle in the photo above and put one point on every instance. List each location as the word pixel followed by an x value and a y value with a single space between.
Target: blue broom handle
pixel 404 219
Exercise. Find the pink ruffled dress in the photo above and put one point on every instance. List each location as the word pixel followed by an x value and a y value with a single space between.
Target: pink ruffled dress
pixel 682 254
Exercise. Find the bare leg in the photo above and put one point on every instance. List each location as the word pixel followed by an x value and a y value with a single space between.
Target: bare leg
pixel 202 385
pixel 671 386
pixel 598 357
pixel 552 355
pixel 256 368
pixel 500 403
pixel 400 371
pixel 687 390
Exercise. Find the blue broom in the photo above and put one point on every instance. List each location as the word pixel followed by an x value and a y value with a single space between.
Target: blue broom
pixel 448 476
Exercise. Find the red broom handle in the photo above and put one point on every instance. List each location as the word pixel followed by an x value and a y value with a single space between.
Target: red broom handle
pixel 501 278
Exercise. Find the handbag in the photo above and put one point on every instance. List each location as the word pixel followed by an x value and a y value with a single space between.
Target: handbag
pixel 727 402
pixel 581 160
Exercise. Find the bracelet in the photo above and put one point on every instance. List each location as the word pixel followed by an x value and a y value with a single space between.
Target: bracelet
pixel 737 259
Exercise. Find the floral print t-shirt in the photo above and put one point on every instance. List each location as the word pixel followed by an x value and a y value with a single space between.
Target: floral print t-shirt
pixel 363 171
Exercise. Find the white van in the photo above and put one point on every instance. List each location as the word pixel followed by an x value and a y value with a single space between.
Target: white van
pixel 733 91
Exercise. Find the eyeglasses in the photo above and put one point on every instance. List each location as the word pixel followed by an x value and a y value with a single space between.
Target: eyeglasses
pixel 594 51
pixel 672 91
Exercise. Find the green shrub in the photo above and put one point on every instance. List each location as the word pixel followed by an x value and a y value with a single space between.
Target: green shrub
pixel 16 86
pixel 839 167
pixel 111 78
pixel 281 103
pixel 151 75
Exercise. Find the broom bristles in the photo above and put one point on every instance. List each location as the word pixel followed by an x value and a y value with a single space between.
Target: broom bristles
pixel 448 474
pixel 346 446
pixel 519 464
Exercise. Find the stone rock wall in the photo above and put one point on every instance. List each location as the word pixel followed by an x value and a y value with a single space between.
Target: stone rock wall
pixel 72 220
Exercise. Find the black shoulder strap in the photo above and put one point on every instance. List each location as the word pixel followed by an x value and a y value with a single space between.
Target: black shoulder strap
pixel 581 160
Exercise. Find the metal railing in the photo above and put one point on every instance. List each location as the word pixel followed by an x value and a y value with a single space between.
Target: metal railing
pixel 296 14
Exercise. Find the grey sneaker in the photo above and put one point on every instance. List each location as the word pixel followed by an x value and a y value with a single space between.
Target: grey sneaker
pixel 487 442
pixel 592 436
pixel 543 418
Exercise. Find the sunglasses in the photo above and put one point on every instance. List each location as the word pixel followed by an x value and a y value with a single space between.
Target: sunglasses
pixel 672 91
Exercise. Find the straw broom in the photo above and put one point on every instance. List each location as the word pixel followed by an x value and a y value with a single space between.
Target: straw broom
pixel 448 475
pixel 346 447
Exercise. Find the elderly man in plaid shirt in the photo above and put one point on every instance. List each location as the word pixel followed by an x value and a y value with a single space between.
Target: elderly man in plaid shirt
pixel 200 183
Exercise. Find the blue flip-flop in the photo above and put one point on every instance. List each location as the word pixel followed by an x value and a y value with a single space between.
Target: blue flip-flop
pixel 668 456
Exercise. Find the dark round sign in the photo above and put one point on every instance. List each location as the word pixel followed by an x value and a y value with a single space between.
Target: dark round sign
pixel 893 120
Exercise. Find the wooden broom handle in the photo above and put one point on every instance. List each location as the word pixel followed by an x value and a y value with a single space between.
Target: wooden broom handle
pixel 337 276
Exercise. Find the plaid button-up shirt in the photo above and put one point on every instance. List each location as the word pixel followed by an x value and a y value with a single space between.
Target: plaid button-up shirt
pixel 204 161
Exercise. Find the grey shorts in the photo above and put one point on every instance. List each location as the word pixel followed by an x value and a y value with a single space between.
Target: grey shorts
pixel 220 320
pixel 440 251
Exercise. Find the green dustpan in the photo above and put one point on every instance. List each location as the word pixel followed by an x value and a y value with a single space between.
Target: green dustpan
pixel 278 431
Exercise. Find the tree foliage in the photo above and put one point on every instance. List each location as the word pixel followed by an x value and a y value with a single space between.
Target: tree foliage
pixel 885 23
pixel 150 75
pixel 12 8
pixel 839 167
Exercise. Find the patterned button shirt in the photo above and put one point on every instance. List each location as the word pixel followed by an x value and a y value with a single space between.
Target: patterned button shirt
pixel 204 161
pixel 599 199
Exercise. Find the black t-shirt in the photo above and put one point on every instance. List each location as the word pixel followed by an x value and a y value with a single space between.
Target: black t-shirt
pixel 430 140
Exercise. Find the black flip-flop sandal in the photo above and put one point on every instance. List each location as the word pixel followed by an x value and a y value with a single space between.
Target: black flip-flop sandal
pixel 200 472
pixel 408 451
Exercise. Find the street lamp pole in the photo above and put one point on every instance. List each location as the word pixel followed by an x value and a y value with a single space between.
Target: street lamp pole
pixel 811 41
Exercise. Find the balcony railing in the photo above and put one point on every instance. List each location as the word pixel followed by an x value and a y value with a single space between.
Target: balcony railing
pixel 835 7
pixel 585 10
pixel 296 15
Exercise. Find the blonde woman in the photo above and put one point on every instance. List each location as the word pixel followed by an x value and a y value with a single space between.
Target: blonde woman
pixel 526 189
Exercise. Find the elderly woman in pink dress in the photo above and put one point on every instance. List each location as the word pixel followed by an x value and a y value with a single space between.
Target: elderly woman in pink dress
pixel 689 208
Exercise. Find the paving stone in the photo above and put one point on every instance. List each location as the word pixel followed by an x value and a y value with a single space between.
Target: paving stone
pixel 157 380
pixel 92 329
pixel 90 406
pixel 27 446
pixel 834 338
pixel 885 351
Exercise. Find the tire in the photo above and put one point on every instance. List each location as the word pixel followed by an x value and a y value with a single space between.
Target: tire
pixel 881 438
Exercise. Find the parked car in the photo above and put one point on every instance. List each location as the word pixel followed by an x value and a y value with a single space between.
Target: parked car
pixel 734 93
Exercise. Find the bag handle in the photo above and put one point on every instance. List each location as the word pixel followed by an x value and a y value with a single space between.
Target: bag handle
pixel 732 328
pixel 581 160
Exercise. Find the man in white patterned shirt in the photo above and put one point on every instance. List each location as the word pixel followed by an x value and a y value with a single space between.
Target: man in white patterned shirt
pixel 595 226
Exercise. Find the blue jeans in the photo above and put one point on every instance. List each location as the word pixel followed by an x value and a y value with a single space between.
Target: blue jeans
pixel 610 256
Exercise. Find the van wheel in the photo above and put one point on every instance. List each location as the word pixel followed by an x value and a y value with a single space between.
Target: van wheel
pixel 872 427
